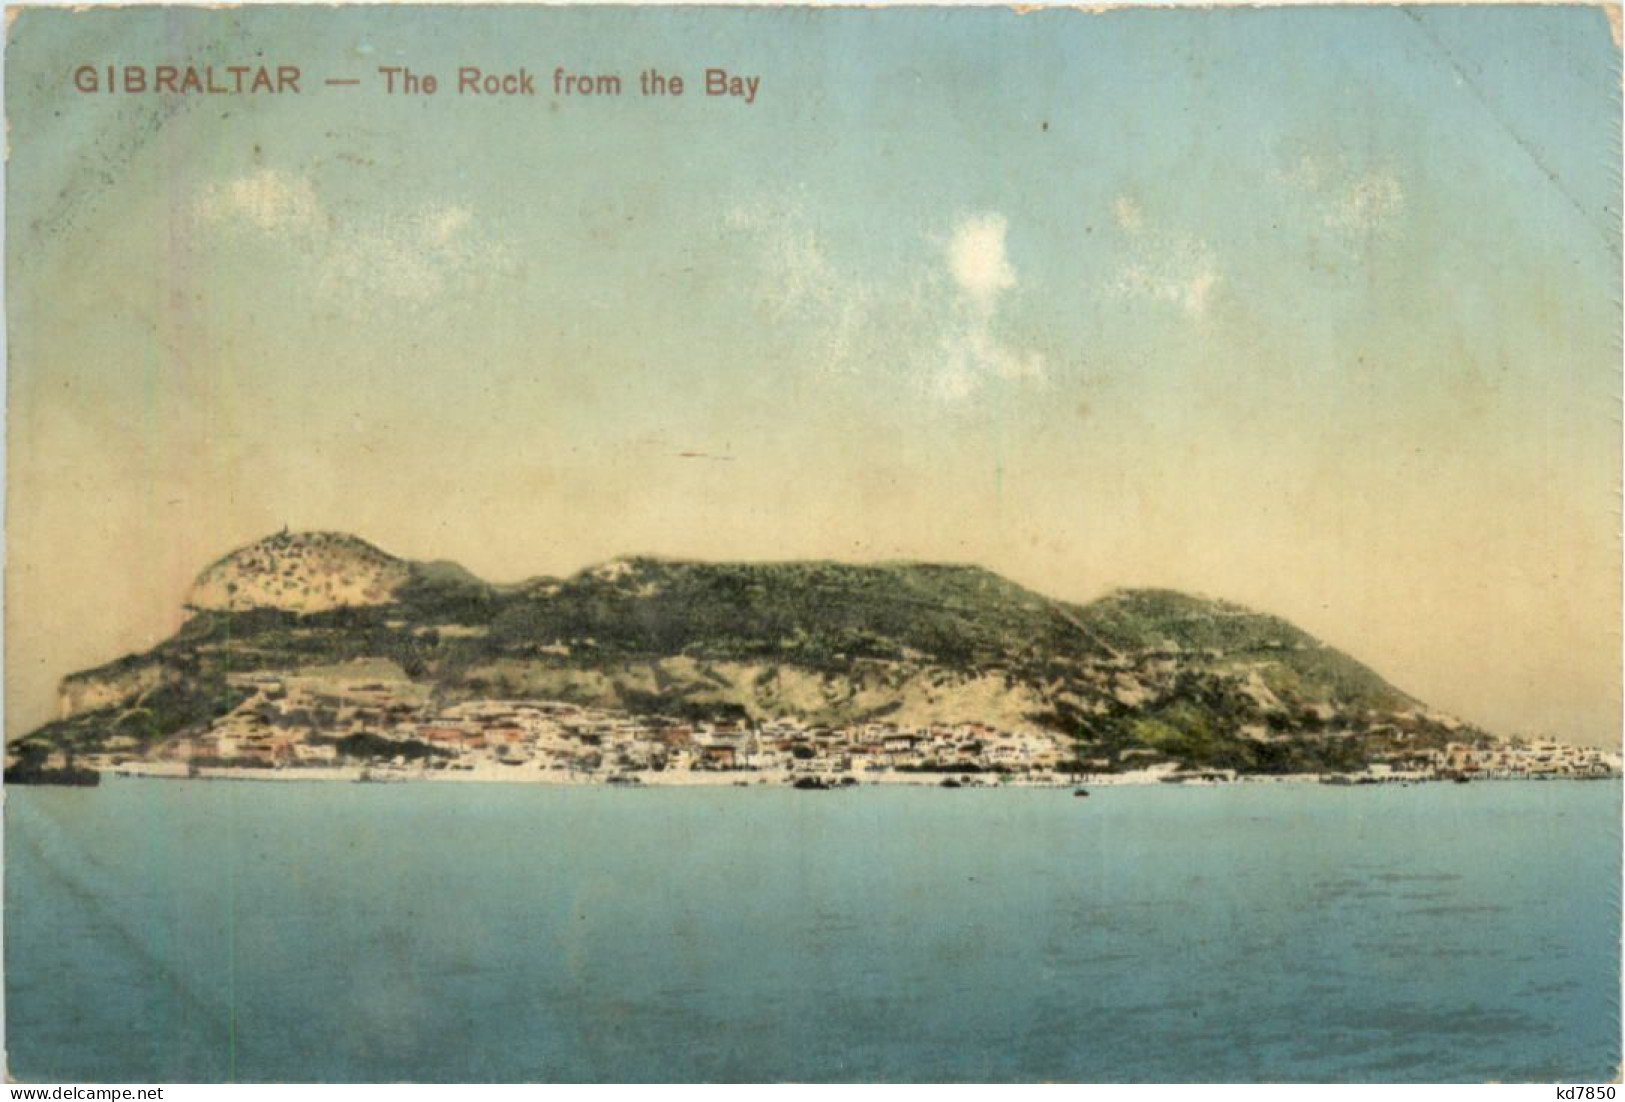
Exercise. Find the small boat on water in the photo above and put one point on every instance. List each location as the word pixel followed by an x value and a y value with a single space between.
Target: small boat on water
pixel 949 782
pixel 1080 792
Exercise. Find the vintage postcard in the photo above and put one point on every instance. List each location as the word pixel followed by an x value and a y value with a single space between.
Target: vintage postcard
pixel 621 544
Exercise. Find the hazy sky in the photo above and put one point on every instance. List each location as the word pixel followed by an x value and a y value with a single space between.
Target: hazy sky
pixel 1315 310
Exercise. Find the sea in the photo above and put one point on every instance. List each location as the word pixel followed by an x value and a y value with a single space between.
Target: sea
pixel 173 930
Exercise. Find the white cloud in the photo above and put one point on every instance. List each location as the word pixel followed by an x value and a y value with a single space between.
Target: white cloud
pixel 1367 205
pixel 934 321
pixel 973 353
pixel 1353 200
pixel 800 282
pixel 266 200
pixel 980 269
pixel 799 273
pixel 1305 174
pixel 1168 268
pixel 1185 277
pixel 977 259
pixel 412 253
pixel 448 223
pixel 1130 218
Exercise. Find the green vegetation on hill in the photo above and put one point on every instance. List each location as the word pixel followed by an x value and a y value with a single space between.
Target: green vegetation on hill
pixel 1138 675
pixel 174 706
pixel 1164 620
pixel 821 615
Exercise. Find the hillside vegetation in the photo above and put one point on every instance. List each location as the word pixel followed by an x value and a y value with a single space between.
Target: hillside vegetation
pixel 1137 675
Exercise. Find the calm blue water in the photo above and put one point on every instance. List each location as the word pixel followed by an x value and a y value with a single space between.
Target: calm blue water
pixel 164 930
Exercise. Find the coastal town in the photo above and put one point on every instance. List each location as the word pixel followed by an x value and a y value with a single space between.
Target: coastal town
pixel 309 727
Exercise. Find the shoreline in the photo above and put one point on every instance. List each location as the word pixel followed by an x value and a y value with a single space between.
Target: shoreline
pixel 496 774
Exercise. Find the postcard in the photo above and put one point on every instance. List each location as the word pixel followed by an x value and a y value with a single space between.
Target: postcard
pixel 692 544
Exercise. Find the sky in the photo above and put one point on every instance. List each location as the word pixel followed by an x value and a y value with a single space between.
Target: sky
pixel 1315 310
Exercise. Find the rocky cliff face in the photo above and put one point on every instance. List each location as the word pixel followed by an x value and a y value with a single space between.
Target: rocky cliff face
pixel 110 685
